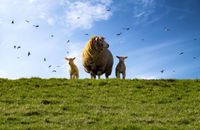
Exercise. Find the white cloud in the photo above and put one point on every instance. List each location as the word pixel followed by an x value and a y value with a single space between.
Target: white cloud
pixel 143 9
pixel 84 14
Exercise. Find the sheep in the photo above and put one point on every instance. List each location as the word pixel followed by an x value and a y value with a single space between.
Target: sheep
pixel 73 71
pixel 121 67
pixel 96 58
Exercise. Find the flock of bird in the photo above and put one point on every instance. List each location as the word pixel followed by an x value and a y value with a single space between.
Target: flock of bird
pixel 166 29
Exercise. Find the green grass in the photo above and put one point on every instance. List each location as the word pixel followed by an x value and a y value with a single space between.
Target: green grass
pixel 61 104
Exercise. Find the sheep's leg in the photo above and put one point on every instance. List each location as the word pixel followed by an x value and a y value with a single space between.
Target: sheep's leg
pixel 107 75
pixel 99 74
pixel 93 76
pixel 124 75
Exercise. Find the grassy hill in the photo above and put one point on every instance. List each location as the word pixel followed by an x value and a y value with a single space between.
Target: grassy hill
pixel 44 104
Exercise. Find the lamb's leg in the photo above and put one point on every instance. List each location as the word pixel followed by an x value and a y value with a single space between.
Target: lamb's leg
pixel 124 75
pixel 117 75
pixel 77 76
pixel 71 76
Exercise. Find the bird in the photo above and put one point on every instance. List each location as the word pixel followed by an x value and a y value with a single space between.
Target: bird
pixel 181 53
pixel 166 29
pixel 45 59
pixel 54 71
pixel 142 39
pixel 36 26
pixel 15 46
pixel 118 34
pixel 29 53
pixel 68 41
pixel 49 66
pixel 194 58
pixel 108 9
pixel 27 21
pixel 52 35
pixel 162 71
pixel 78 17
pixel 86 34
pixel 18 47
pixel 67 52
pixel 195 39
pixel 12 22
pixel 174 71
pixel 127 28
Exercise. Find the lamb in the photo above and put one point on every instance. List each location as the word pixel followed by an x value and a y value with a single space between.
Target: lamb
pixel 73 71
pixel 121 67
pixel 96 58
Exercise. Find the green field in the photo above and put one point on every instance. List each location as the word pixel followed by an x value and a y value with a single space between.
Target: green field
pixel 61 104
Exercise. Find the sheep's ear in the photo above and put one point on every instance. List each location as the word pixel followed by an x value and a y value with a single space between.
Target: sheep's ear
pixel 94 39
pixel 118 57
pixel 74 58
pixel 125 57
pixel 66 58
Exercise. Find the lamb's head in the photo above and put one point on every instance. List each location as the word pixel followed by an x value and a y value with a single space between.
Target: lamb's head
pixel 70 60
pixel 121 58
pixel 99 43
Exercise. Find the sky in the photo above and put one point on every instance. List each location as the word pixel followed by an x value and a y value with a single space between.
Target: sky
pixel 156 35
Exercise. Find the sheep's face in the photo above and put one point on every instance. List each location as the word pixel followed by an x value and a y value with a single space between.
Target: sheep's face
pixel 70 60
pixel 121 58
pixel 99 43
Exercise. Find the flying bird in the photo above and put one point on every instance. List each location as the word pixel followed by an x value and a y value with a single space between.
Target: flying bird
pixel 27 21
pixel 86 34
pixel 49 66
pixel 108 9
pixel 167 29
pixel 36 26
pixel 78 17
pixel 127 28
pixel 118 34
pixel 15 46
pixel 45 59
pixel 195 39
pixel 181 53
pixel 54 71
pixel 52 35
pixel 162 71
pixel 12 22
pixel 194 58
pixel 68 41
pixel 18 47
pixel 29 53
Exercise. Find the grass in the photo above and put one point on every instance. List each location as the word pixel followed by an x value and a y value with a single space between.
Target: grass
pixel 61 104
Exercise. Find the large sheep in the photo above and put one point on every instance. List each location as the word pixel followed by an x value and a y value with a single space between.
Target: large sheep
pixel 96 57
pixel 73 71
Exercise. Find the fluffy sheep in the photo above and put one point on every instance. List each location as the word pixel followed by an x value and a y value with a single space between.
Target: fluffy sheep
pixel 73 71
pixel 96 58
pixel 121 67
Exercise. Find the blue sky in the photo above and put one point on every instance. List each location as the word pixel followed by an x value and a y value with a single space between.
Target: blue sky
pixel 159 31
